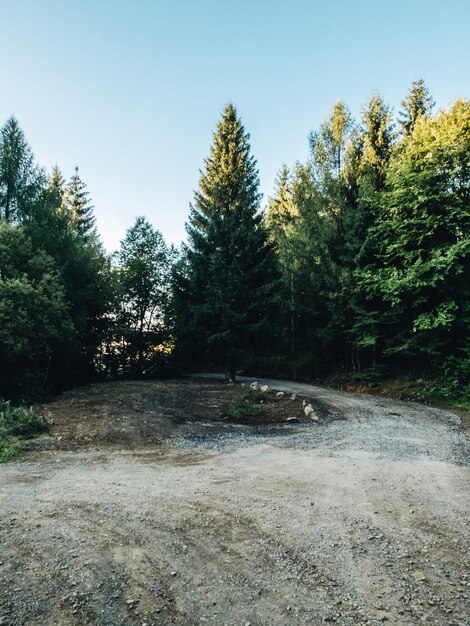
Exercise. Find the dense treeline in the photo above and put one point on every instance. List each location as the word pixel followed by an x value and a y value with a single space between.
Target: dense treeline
pixel 69 313
pixel 373 240
pixel 360 262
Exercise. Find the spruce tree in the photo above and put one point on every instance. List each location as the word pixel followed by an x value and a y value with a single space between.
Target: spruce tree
pixel 379 137
pixel 77 199
pixel 56 186
pixel 418 103
pixel 20 178
pixel 224 290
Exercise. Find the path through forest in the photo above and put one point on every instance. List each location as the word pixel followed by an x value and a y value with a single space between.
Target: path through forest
pixel 361 518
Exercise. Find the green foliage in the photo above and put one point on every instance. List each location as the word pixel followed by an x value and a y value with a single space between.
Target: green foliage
pixel 246 408
pixel 75 198
pixel 16 423
pixel 374 250
pixel 421 267
pixel 20 179
pixel 362 262
pixel 142 286
pixel 418 103
pixel 34 316
pixel 225 284
pixel 254 396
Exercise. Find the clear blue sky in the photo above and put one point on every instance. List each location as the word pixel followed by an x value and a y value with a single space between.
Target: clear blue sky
pixel 131 91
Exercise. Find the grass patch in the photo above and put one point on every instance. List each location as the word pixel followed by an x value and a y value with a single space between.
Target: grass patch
pixel 249 406
pixel 254 396
pixel 16 423
pixel 437 393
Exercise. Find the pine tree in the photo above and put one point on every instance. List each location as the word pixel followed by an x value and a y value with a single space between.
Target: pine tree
pixel 56 186
pixel 20 179
pixel 418 103
pixel 379 136
pixel 77 200
pixel 224 289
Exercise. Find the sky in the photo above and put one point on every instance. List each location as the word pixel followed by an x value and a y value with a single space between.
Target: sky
pixel 131 91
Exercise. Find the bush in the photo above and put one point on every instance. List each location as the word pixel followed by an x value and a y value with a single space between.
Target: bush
pixel 16 423
pixel 243 410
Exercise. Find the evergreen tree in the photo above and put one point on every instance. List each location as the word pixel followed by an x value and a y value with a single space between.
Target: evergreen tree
pixel 20 179
pixel 56 186
pixel 34 315
pixel 379 136
pixel 225 288
pixel 418 103
pixel 77 200
pixel 281 217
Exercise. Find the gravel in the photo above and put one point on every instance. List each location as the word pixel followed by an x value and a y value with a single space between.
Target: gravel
pixel 359 519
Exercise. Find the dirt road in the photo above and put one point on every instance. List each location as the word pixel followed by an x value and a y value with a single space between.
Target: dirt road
pixel 361 518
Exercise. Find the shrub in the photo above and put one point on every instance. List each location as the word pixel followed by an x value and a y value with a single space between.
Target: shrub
pixel 16 423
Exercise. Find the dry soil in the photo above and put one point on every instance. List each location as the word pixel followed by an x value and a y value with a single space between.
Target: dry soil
pixel 147 505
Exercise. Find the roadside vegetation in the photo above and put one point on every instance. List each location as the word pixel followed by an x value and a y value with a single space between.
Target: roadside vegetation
pixel 17 423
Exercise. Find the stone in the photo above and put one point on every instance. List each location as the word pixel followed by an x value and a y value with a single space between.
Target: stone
pixel 292 419
pixel 293 396
pixel 265 388
pixel 280 394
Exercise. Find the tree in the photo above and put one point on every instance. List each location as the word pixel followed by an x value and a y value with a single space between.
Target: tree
pixel 418 103
pixel 20 179
pixel 378 140
pixel 418 280
pixel 34 315
pixel 281 217
pixel 77 200
pixel 225 288
pixel 144 267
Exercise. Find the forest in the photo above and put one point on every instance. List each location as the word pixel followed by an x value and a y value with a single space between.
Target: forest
pixel 356 268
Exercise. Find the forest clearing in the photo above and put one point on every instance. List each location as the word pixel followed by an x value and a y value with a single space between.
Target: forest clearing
pixel 158 503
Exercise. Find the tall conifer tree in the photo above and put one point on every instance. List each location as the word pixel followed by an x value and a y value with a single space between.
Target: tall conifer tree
pixel 418 103
pixel 77 199
pixel 225 293
pixel 20 178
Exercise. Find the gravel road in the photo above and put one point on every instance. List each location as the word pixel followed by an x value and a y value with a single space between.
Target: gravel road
pixel 359 519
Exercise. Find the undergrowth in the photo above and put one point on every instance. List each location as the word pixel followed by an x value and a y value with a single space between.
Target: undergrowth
pixel 16 423
pixel 249 406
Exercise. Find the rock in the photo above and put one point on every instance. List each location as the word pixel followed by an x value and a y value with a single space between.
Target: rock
pixel 293 396
pixel 254 386
pixel 265 388
pixel 310 412
pixel 280 394
pixel 173 573
pixel 304 402
pixel 292 419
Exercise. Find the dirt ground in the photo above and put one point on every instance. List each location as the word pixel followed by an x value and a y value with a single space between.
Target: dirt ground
pixel 148 505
